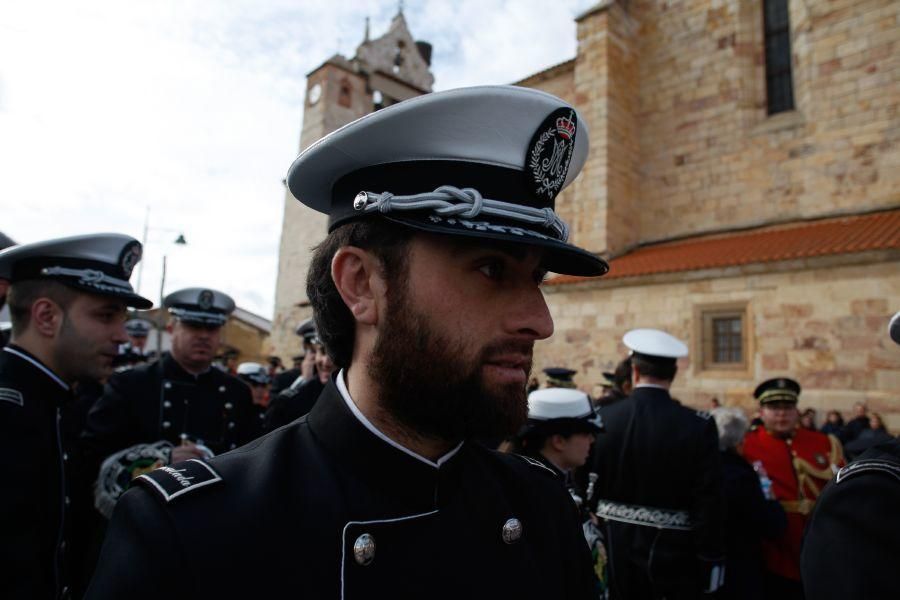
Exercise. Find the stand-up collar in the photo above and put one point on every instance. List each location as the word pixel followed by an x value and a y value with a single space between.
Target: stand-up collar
pixel 34 363
pixel 174 371
pixel 406 481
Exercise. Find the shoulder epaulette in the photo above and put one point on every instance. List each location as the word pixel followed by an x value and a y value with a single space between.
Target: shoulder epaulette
pixel 11 395
pixel 536 463
pixel 178 479
pixel 869 466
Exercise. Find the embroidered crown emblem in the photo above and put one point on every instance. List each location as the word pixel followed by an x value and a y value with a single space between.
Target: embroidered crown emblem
pixel 549 154
pixel 565 127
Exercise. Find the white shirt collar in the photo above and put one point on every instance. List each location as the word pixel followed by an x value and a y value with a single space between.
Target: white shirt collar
pixel 651 385
pixel 345 394
pixel 39 365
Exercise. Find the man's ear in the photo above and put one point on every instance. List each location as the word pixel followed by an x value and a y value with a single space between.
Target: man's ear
pixel 170 325
pixel 557 442
pixel 46 317
pixel 358 280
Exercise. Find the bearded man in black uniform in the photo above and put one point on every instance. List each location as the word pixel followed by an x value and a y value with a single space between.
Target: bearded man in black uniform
pixel 179 404
pixel 659 485
pixel 68 300
pixel 426 294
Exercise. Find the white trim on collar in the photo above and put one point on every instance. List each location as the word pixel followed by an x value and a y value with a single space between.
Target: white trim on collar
pixel 345 394
pixel 651 385
pixel 40 366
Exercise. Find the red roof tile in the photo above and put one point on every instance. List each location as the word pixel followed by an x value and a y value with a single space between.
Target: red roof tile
pixel 838 235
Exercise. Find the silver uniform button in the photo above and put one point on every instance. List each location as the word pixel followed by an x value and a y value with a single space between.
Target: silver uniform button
pixel 167 404
pixel 364 549
pixel 360 201
pixel 230 424
pixel 222 389
pixel 229 406
pixel 167 385
pixel 166 424
pixel 512 531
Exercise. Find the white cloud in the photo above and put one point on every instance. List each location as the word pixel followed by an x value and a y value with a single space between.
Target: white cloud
pixel 194 109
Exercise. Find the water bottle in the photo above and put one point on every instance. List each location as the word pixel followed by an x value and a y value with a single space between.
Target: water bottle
pixel 764 482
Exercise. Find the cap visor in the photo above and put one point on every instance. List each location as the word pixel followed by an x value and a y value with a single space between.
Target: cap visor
pixel 559 257
pixel 138 302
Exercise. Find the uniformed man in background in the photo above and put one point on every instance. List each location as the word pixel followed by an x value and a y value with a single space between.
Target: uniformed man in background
pixel 299 399
pixel 5 326
pixel 799 462
pixel 561 427
pixel 68 300
pixel 256 376
pixel 426 294
pixel 620 383
pixel 179 399
pixel 659 484
pixel 304 363
pixel 853 537
pixel 560 432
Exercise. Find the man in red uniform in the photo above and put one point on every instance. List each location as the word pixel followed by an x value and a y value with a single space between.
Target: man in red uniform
pixel 799 463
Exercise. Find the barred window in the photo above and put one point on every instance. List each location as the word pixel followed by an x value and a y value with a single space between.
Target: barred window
pixel 779 85
pixel 724 335
pixel 727 343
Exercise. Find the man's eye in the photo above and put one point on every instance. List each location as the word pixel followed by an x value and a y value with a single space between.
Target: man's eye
pixel 493 270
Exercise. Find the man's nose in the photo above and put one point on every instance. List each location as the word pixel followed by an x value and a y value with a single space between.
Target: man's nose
pixel 530 315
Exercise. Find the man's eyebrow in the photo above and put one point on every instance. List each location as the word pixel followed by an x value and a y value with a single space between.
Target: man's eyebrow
pixel 514 251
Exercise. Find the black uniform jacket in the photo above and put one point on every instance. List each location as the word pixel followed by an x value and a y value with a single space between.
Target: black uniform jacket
pixel 162 401
pixel 852 543
pixel 293 403
pixel 33 498
pixel 283 380
pixel 658 454
pixel 292 507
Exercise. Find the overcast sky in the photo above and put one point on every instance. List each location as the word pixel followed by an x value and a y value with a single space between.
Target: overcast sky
pixel 194 107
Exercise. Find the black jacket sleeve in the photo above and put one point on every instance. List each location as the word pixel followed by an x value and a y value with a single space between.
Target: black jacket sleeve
pixel 141 556
pixel 708 496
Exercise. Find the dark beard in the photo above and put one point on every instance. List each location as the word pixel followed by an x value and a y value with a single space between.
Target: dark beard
pixel 428 388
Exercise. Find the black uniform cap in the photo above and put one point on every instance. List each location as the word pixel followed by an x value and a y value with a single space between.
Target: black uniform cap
pixel 484 162
pixel 138 328
pixel 307 330
pixel 560 377
pixel 779 389
pixel 98 264
pixel 200 306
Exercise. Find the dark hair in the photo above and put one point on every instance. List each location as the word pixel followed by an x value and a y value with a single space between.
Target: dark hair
pixel 660 368
pixel 623 373
pixel 22 295
pixel 334 321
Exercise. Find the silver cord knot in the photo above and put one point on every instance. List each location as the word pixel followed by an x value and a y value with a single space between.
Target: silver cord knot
pixel 466 203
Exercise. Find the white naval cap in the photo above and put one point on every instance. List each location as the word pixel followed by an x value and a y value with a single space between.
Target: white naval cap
pixel 482 162
pixel 253 372
pixel 556 410
pixel 653 342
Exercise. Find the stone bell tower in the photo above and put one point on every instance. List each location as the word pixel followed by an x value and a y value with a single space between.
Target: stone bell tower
pixel 384 71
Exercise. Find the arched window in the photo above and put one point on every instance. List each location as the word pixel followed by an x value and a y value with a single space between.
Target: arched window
pixel 345 94
pixel 779 85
